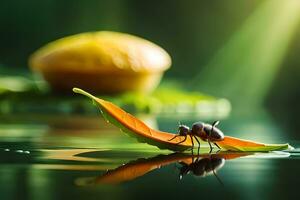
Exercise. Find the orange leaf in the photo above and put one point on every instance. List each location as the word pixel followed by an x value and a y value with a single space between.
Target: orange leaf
pixel 138 129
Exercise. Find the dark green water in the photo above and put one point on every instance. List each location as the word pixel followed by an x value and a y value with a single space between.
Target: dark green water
pixel 68 158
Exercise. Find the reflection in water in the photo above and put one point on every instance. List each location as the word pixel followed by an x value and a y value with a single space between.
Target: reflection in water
pixel 70 154
pixel 59 156
pixel 200 165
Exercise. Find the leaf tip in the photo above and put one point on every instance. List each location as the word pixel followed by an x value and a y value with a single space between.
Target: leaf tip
pixel 80 91
pixel 289 147
pixel 77 90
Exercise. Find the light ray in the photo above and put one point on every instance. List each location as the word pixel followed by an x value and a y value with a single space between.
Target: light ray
pixel 245 67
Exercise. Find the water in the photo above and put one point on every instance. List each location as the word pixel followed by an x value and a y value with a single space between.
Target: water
pixel 86 158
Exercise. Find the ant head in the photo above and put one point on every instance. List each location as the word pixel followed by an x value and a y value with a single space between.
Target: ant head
pixel 198 127
pixel 183 129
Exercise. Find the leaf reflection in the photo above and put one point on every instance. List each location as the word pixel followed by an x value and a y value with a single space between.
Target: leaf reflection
pixel 199 165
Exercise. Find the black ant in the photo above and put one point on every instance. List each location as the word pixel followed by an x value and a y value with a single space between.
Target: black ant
pixel 202 167
pixel 207 132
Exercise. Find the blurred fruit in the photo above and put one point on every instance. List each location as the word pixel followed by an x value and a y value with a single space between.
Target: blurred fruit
pixel 102 62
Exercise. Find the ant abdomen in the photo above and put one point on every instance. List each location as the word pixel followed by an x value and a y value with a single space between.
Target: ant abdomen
pixel 207 132
pixel 215 134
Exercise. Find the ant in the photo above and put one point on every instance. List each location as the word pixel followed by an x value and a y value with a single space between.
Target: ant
pixel 207 132
pixel 202 167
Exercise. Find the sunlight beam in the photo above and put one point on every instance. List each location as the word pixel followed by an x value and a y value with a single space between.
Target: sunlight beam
pixel 245 67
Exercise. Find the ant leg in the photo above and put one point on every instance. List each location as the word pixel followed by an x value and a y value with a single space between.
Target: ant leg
pixel 211 148
pixel 198 144
pixel 218 178
pixel 173 138
pixel 183 140
pixel 217 145
pixel 175 134
pixel 215 123
pixel 192 142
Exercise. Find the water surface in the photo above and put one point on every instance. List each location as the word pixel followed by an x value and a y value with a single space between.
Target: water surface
pixel 86 158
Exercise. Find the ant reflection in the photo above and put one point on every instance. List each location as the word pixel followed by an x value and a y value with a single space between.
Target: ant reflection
pixel 199 165
pixel 202 167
